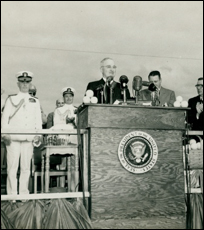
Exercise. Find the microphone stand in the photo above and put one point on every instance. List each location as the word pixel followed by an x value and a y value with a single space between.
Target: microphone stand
pixel 101 96
pixel 136 96
pixel 124 97
pixel 111 95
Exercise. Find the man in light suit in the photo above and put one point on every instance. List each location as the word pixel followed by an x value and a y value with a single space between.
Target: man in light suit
pixel 106 84
pixel 195 115
pixel 165 97
pixel 21 112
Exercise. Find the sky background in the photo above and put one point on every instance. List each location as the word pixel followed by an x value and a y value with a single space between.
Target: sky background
pixel 63 42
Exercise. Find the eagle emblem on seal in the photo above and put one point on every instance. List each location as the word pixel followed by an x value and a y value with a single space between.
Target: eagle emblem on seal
pixel 137 152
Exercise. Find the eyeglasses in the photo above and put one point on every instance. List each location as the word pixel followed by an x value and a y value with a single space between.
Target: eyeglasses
pixel 109 66
pixel 199 85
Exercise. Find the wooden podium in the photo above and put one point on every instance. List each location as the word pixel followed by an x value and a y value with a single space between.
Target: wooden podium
pixel 117 193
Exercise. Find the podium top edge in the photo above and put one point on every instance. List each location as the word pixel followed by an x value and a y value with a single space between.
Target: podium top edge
pixel 132 106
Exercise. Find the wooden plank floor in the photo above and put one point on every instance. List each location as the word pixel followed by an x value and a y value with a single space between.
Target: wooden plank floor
pixel 141 223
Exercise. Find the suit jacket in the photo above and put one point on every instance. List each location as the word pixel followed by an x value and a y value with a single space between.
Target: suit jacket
pixel 166 96
pixel 50 121
pixel 196 124
pixel 97 87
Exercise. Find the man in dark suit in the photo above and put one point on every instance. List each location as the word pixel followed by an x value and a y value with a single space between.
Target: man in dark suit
pixel 50 120
pixel 106 86
pixel 195 115
pixel 163 96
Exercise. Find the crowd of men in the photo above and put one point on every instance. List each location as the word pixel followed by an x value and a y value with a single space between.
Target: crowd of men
pixel 23 111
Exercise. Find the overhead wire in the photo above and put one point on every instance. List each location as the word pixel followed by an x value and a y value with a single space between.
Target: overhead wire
pixel 100 52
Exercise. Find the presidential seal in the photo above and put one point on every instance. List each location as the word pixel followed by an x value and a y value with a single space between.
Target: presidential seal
pixel 138 152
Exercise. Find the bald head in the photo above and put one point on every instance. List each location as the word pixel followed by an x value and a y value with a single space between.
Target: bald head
pixel 59 102
pixel 32 90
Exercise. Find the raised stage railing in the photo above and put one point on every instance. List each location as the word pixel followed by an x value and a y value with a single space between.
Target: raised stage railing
pixel 83 145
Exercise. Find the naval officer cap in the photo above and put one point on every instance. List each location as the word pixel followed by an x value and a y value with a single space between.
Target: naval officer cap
pixel 68 90
pixel 24 76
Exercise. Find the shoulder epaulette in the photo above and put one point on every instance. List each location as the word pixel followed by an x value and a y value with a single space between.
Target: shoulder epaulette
pixel 34 97
pixel 10 95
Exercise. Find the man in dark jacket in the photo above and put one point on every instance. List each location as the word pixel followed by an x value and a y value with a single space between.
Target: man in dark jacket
pixel 50 119
pixel 195 115
pixel 106 86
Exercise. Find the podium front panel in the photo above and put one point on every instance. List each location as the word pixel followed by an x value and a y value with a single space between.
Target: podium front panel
pixel 118 193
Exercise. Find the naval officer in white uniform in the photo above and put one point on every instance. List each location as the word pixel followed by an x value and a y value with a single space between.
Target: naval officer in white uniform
pixel 21 112
pixel 65 118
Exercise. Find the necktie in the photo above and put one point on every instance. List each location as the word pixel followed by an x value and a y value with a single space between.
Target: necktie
pixel 155 98
pixel 107 92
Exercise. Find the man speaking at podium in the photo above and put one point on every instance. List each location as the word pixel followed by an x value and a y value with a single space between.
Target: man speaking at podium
pixel 163 96
pixel 106 86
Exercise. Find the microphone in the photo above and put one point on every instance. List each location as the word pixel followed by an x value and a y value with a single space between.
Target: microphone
pixel 123 85
pixel 146 83
pixel 123 81
pixel 137 83
pixel 151 86
pixel 137 86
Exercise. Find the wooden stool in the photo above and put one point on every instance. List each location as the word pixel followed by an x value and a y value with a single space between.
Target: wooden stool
pixel 64 150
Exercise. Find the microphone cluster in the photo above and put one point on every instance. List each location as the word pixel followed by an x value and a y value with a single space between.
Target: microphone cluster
pixel 138 83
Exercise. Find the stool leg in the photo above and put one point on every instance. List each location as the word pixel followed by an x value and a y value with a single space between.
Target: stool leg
pixel 76 170
pixel 47 171
pixel 69 173
pixel 58 181
pixel 63 167
pixel 42 173
pixel 35 183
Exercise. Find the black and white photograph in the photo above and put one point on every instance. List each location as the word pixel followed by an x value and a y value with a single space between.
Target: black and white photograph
pixel 101 114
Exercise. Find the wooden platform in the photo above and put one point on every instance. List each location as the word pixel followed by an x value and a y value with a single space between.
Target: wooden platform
pixel 141 223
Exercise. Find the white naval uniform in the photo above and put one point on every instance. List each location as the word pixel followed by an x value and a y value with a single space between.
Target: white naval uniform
pixel 60 115
pixel 21 111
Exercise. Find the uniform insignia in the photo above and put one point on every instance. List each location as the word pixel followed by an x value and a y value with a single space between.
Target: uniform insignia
pixel 32 100
pixel 25 74
pixel 68 90
pixel 34 97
